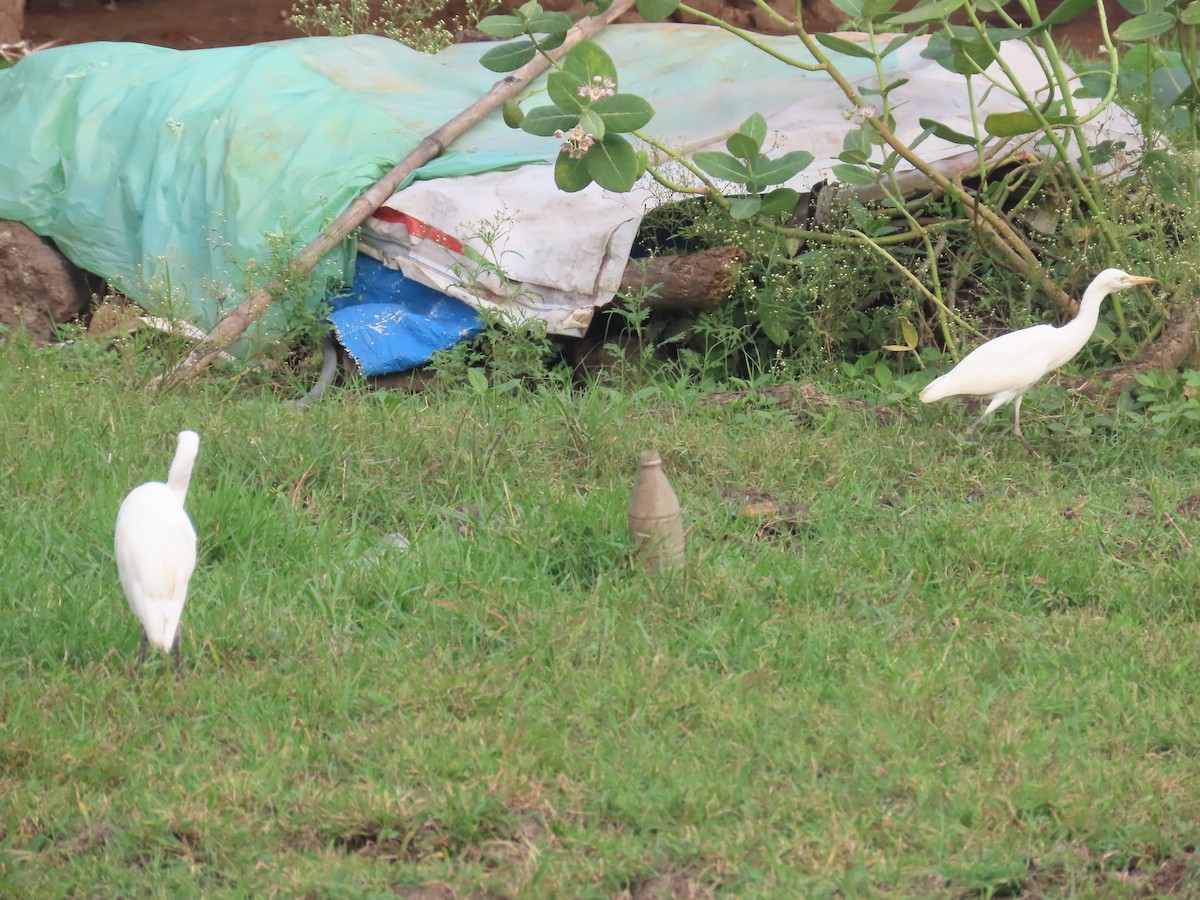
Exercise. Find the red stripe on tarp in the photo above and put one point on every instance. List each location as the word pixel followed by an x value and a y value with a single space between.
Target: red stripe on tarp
pixel 418 229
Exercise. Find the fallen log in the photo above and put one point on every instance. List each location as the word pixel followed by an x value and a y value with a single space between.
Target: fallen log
pixel 1174 348
pixel 689 282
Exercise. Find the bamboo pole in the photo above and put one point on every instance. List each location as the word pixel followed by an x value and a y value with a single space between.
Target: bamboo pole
pixel 234 323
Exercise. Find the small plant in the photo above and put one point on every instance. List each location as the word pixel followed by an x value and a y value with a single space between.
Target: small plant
pixel 1170 399
pixel 416 23
pixel 506 352
pixel 963 233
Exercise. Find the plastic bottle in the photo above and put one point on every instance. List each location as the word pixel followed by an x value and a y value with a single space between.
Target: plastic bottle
pixel 654 517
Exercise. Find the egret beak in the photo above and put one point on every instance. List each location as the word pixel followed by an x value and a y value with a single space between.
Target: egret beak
pixel 1139 279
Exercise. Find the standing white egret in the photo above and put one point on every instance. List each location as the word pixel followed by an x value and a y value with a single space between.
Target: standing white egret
pixel 156 549
pixel 1004 368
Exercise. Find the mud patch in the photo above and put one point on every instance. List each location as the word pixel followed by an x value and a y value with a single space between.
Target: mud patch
pixel 668 886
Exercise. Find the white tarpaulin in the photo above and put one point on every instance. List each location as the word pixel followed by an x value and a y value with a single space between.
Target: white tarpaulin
pixel 562 255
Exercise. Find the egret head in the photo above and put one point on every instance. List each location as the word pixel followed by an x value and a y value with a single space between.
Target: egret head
pixel 1111 280
pixel 189 443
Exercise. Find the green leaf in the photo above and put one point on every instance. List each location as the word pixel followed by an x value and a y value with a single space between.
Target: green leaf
pixel 856 175
pixel 743 146
pixel 508 57
pixel 861 216
pixel 571 175
pixel 643 162
pixel 755 128
pixel 843 46
pixel 946 133
pixel 501 26
pixel 779 201
pixel 587 60
pixel 1145 26
pixel 513 114
pixel 926 12
pixel 852 8
pixel 549 23
pixel 909 332
pixel 962 51
pixel 856 146
pixel 545 120
pixel 778 318
pixel 887 88
pixel 656 10
pixel 477 379
pixel 1190 14
pixel 873 9
pixel 1064 12
pixel 1105 151
pixel 765 171
pixel 744 207
pixel 1093 85
pixel 550 41
pixel 1021 122
pixel 1188 99
pixel 612 163
pixel 592 124
pixel 721 166
pixel 1011 124
pixel 563 89
pixel 1000 35
pixel 623 112
pixel 895 44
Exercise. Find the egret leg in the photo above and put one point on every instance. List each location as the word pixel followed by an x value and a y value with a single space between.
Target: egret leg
pixel 991 408
pixel 1021 437
pixel 971 427
pixel 175 650
pixel 145 645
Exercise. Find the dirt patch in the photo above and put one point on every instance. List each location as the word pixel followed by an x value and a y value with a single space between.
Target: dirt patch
pixel 1174 876
pixel 164 23
pixel 668 886
pixel 221 23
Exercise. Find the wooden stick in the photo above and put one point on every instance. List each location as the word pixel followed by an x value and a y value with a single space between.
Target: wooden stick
pixel 234 324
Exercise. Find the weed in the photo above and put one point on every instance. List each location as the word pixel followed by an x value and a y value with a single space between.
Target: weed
pixel 417 23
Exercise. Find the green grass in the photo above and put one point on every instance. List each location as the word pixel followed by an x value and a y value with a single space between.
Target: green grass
pixel 941 670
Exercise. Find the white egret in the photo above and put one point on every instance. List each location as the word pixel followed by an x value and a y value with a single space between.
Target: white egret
pixel 1006 367
pixel 156 550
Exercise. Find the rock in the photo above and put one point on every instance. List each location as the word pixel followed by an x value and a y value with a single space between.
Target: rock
pixel 12 12
pixel 39 288
pixel 819 15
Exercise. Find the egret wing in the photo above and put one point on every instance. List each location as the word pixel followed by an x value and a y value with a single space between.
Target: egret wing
pixel 1012 362
pixel 155 548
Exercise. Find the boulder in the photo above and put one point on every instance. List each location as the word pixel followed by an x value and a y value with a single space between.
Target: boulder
pixel 39 287
pixel 11 14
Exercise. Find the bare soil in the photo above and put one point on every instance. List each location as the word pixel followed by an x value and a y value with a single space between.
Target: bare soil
pixel 221 23
pixel 165 23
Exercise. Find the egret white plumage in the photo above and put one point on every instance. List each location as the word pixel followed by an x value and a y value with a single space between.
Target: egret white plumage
pixel 1004 368
pixel 156 549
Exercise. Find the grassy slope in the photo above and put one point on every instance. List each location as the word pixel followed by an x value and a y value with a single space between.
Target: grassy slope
pixel 953 670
